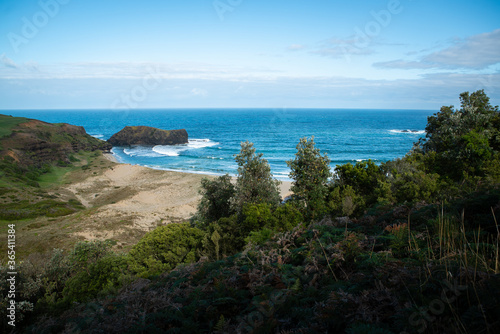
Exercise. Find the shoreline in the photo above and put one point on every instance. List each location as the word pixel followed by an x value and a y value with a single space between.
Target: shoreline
pixel 284 186
pixel 111 157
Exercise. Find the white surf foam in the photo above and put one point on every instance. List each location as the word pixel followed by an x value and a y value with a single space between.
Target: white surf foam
pixel 140 151
pixel 175 150
pixel 201 143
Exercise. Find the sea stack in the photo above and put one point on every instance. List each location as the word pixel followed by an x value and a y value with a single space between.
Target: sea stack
pixel 146 135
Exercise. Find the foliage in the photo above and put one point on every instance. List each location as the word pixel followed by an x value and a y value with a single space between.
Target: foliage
pixel 164 248
pixel 345 201
pixel 28 175
pixel 259 237
pixel 409 183
pixel 286 217
pixel 222 238
pixel 98 278
pixel 323 278
pixel 87 253
pixel 217 195
pixel 255 217
pixel 465 138
pixel 310 172
pixel 255 183
pixel 365 177
pixel 257 222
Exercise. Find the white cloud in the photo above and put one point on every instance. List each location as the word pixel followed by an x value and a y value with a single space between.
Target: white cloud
pixel 7 62
pixel 199 92
pixel 295 47
pixel 127 70
pixel 428 92
pixel 345 48
pixel 475 52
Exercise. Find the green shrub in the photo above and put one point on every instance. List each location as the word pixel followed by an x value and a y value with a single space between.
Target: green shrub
pixel 86 253
pixel 286 217
pixel 26 209
pixel 255 217
pixel 345 201
pixel 98 278
pixel 259 237
pixel 223 238
pixel 408 183
pixel 164 248
pixel 364 178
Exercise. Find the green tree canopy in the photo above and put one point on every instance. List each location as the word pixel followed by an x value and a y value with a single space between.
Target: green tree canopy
pixel 461 141
pixel 217 195
pixel 255 183
pixel 310 171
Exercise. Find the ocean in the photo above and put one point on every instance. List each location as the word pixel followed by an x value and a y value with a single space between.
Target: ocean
pixel 346 135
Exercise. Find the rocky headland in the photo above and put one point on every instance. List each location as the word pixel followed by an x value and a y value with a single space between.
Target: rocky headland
pixel 145 135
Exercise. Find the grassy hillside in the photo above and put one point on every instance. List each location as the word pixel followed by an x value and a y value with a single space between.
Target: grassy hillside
pixel 7 123
pixel 34 158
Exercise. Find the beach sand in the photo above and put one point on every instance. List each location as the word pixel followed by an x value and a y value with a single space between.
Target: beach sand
pixel 125 201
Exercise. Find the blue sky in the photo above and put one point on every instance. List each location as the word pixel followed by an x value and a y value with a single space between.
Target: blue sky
pixel 410 54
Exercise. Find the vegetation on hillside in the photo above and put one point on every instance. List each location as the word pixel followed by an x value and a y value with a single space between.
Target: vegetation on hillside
pixel 7 123
pixel 408 246
pixel 32 152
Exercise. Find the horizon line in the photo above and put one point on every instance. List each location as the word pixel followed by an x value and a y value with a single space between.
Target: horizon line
pixel 210 108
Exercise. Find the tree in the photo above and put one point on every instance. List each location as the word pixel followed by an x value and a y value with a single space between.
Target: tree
pixel 310 171
pixel 461 141
pixel 217 195
pixel 255 183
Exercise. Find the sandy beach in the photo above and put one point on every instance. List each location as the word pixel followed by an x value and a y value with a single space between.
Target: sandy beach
pixel 125 201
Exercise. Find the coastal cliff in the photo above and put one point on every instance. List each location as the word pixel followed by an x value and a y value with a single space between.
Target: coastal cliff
pixel 31 142
pixel 145 135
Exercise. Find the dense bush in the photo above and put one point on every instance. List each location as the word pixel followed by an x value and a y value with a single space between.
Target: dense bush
pixel 164 248
pixel 408 183
pixel 229 235
pixel 98 278
pixel 363 177
pixel 344 201
pixel 222 238
pixel 86 253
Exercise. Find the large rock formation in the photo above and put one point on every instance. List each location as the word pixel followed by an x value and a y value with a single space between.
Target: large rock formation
pixel 145 135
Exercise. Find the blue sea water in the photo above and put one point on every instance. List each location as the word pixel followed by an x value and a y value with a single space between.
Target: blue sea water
pixel 346 135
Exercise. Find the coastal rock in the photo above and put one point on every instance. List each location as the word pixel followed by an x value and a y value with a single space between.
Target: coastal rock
pixel 145 135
